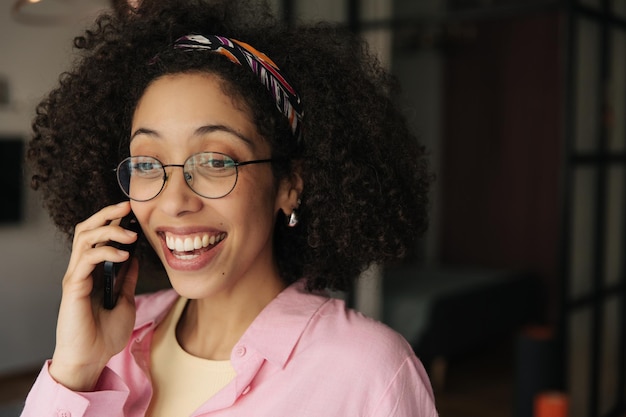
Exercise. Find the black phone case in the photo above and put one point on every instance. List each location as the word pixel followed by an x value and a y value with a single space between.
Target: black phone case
pixel 113 269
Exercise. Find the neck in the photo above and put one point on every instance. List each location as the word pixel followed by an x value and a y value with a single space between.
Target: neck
pixel 209 328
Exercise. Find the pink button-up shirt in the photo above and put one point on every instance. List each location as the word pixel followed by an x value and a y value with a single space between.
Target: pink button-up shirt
pixel 305 355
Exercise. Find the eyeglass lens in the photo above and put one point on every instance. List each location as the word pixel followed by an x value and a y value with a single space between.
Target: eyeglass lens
pixel 209 174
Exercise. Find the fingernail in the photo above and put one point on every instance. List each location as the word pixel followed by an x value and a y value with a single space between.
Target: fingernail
pixel 130 232
pixel 123 203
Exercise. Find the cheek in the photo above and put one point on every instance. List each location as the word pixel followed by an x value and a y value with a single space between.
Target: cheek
pixel 138 209
pixel 141 211
pixel 259 197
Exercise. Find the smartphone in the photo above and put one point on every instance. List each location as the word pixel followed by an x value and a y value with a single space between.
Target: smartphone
pixel 113 271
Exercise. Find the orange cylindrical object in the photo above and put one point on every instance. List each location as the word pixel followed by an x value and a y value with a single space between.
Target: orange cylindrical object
pixel 551 404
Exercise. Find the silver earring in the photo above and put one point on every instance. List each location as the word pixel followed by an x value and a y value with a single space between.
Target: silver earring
pixel 293 219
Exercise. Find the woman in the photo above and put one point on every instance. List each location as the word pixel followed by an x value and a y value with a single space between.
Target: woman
pixel 259 180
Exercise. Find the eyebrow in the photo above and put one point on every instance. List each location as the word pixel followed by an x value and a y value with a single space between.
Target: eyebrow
pixel 201 131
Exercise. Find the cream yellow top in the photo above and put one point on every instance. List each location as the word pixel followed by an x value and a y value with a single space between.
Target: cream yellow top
pixel 181 382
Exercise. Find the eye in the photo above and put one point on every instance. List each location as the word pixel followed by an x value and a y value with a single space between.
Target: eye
pixel 146 167
pixel 212 160
pixel 212 164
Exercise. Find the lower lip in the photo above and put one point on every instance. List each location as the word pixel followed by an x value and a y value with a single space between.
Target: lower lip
pixel 193 264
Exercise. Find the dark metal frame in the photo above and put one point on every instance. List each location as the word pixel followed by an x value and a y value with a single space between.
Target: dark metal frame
pixel 601 159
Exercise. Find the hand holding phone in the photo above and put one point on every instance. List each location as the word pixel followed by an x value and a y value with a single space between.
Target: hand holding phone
pixel 87 334
pixel 114 271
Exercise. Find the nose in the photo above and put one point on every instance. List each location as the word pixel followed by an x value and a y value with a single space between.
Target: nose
pixel 177 198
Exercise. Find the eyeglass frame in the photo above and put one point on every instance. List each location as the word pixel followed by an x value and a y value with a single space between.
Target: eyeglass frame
pixel 165 178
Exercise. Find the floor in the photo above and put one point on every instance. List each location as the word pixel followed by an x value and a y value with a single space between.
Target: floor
pixel 480 385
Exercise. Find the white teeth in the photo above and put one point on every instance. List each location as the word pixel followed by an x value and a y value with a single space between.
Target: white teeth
pixel 189 244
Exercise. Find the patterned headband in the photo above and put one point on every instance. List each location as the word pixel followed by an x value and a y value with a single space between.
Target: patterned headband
pixel 287 100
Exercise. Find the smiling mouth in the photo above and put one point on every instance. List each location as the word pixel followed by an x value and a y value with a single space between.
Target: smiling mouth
pixel 189 247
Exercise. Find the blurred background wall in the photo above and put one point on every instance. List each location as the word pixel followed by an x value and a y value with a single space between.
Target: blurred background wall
pixel 32 256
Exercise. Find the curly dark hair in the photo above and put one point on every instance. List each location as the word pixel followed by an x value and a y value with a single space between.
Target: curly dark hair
pixel 365 175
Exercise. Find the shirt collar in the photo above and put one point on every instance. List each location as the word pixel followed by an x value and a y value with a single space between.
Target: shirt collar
pixel 273 333
pixel 276 330
pixel 152 308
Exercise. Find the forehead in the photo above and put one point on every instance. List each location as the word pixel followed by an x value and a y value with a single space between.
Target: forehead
pixel 188 94
pixel 181 105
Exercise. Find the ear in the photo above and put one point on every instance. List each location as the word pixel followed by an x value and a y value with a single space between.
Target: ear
pixel 289 192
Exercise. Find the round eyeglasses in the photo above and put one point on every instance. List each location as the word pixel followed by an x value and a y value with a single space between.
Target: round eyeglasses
pixel 208 174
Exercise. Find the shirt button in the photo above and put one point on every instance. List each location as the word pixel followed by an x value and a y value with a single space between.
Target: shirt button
pixel 63 413
pixel 246 390
pixel 240 351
